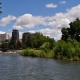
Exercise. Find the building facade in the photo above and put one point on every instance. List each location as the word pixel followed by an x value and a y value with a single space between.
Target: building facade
pixel 15 35
pixel 25 37
pixel 4 37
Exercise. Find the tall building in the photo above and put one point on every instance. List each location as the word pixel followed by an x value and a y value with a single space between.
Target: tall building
pixel 4 37
pixel 15 35
pixel 25 37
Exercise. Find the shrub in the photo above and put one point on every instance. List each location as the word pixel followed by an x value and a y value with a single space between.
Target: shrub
pixel 31 52
pixel 45 47
pixel 36 53
pixel 69 49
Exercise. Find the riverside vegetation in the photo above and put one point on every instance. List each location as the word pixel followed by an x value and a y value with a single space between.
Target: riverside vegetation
pixel 38 45
pixel 68 48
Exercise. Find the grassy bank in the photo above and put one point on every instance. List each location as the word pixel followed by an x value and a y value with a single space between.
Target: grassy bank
pixel 49 54
pixel 37 53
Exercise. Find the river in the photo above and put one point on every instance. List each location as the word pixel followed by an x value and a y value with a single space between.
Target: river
pixel 16 67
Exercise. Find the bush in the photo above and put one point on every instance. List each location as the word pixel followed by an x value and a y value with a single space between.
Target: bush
pixel 69 49
pixel 45 47
pixel 50 54
pixel 36 53
pixel 60 48
pixel 66 50
pixel 31 52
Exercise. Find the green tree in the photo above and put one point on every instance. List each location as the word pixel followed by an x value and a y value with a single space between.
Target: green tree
pixel 36 40
pixel 72 32
pixel 64 33
pixel 69 49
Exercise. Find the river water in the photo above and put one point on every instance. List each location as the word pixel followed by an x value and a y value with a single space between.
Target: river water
pixel 16 67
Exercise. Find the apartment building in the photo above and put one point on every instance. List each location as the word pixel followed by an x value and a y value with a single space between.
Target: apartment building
pixel 4 37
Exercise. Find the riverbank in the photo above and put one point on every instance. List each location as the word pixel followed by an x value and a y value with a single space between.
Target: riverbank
pixel 46 54
pixel 37 53
pixel 11 52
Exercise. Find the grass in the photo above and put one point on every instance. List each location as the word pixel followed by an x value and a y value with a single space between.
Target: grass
pixel 36 53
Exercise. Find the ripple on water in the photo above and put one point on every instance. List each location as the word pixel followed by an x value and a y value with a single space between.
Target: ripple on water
pixel 16 67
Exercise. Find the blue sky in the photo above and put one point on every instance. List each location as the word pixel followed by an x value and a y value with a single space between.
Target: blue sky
pixel 45 16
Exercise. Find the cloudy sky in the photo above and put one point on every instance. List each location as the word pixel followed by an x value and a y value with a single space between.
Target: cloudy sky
pixel 45 16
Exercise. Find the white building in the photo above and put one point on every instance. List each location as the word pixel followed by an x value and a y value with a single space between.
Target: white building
pixel 4 37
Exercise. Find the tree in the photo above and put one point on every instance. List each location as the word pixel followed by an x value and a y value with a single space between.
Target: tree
pixel 64 33
pixel 0 8
pixel 73 32
pixel 35 40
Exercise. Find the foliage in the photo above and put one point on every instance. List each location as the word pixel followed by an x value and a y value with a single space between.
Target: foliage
pixel 32 52
pixel 35 40
pixel 24 46
pixel 12 47
pixel 3 45
pixel 64 33
pixel 36 53
pixel 45 47
pixel 16 45
pixel 72 32
pixel 69 49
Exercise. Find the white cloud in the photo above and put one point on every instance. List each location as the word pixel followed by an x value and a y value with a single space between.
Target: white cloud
pixel 29 21
pixel 62 2
pixel 46 32
pixel 51 5
pixel 49 32
pixel 55 33
pixel 20 35
pixel 60 20
pixel 73 13
pixel 2 32
pixel 5 21
pixel 57 21
pixel 32 31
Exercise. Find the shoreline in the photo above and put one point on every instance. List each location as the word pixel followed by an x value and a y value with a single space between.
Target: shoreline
pixel 11 52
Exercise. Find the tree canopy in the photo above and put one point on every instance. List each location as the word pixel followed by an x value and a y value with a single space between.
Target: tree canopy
pixel 35 40
pixel 73 32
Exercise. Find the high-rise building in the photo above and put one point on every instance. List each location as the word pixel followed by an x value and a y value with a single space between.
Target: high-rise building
pixel 25 37
pixel 15 35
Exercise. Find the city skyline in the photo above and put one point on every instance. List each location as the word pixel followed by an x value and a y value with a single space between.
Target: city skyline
pixel 47 17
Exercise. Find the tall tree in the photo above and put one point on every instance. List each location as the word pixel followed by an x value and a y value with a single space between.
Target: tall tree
pixel 72 32
pixel 64 33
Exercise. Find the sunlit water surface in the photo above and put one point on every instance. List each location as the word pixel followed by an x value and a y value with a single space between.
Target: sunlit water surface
pixel 16 67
